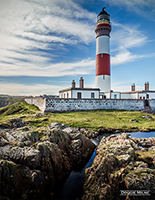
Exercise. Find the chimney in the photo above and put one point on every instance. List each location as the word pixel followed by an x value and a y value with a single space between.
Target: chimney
pixel 147 86
pixel 73 84
pixel 133 87
pixel 81 82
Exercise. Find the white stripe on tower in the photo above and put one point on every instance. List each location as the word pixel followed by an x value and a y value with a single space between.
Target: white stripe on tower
pixel 102 29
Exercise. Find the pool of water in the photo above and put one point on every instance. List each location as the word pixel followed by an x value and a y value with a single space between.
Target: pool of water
pixel 142 134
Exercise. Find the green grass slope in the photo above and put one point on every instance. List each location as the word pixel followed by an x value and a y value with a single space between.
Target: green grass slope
pixel 95 119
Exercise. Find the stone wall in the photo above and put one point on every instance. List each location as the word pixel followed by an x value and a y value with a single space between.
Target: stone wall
pixel 66 105
pixel 152 104
pixel 63 105
pixel 39 102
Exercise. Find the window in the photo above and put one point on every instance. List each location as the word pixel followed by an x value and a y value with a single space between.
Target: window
pixel 115 96
pixel 64 96
pixel 101 55
pixel 103 76
pixel 67 95
pixel 92 95
pixel 79 95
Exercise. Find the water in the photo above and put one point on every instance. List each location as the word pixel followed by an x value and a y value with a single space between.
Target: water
pixel 142 134
pixel 73 187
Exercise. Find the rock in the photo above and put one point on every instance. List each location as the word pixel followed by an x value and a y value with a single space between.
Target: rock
pixel 3 142
pixel 10 181
pixel 68 130
pixel 55 126
pixel 16 123
pixel 147 117
pixel 34 163
pixel 145 142
pixel 134 120
pixel 40 115
pixel 120 165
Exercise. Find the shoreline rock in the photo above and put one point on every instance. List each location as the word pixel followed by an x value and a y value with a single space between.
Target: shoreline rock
pixel 34 163
pixel 120 164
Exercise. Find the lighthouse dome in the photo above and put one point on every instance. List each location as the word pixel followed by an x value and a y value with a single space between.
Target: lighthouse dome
pixel 103 12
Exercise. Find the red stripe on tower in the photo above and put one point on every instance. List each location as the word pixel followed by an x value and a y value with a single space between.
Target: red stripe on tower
pixel 103 64
pixel 102 29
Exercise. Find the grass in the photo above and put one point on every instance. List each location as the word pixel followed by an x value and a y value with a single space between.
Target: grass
pixel 96 119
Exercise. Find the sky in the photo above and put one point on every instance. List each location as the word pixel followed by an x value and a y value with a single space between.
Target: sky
pixel 45 44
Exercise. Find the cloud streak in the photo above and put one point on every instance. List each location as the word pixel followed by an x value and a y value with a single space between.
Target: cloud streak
pixel 33 33
pixel 123 39
pixel 52 70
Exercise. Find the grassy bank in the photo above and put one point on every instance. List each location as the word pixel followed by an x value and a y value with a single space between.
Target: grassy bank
pixel 96 119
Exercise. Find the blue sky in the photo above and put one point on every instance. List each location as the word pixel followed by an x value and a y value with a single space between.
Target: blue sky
pixel 45 44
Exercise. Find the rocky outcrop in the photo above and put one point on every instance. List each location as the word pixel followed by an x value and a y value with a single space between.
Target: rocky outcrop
pixel 121 165
pixel 88 133
pixel 33 163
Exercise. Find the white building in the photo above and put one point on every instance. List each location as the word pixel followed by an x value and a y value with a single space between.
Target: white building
pixel 80 92
pixel 133 94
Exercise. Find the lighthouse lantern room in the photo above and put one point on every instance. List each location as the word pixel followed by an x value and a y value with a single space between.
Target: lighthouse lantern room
pixel 102 29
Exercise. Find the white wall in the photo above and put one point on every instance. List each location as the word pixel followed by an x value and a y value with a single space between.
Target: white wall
pixel 115 95
pixel 64 94
pixel 39 102
pixel 85 94
pixel 129 95
pixel 138 95
pixel 151 95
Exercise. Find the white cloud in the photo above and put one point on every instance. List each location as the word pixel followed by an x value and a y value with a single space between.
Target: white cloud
pixel 22 89
pixel 51 70
pixel 123 57
pixel 123 39
pixel 127 36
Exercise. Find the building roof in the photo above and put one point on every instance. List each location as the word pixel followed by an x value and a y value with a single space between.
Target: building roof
pixel 139 91
pixel 68 89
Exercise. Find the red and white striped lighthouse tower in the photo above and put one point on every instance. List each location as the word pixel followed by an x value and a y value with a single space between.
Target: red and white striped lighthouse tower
pixel 102 29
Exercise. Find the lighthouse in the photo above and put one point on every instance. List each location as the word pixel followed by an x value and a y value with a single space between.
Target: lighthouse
pixel 102 29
